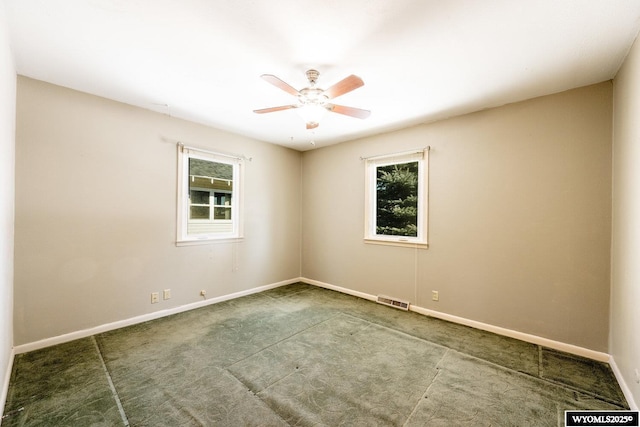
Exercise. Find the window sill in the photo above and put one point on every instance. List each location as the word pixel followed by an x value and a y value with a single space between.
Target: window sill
pixel 397 242
pixel 208 241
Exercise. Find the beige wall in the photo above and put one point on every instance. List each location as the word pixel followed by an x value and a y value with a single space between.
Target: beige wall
pixel 7 163
pixel 625 278
pixel 96 214
pixel 520 217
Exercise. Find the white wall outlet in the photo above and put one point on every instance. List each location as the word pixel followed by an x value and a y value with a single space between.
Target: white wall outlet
pixel 637 376
pixel 203 293
pixel 435 296
pixel 155 297
pixel 166 294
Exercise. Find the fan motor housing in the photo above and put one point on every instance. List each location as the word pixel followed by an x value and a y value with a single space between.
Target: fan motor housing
pixel 312 95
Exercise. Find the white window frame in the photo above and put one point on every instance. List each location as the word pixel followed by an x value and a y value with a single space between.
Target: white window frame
pixel 183 238
pixel 371 165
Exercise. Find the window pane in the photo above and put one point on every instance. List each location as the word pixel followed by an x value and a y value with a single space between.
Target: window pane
pixel 222 213
pixel 210 186
pixel 397 199
pixel 199 212
pixel 199 197
pixel 222 199
pixel 206 168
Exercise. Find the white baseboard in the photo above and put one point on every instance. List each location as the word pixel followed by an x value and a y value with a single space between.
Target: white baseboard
pixel 339 289
pixel 568 348
pixel 5 385
pixel 48 342
pixel 623 385
pixel 534 339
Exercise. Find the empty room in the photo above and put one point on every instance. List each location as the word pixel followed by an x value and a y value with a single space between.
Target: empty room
pixel 368 212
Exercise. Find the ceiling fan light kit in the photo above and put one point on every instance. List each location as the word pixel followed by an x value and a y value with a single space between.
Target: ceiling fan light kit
pixel 313 102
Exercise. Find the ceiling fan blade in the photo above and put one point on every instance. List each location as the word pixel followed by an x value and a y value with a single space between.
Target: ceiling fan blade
pixel 343 86
pixel 349 111
pixel 272 109
pixel 280 84
pixel 312 125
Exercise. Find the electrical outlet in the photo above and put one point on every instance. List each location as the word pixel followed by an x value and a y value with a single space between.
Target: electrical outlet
pixel 435 296
pixel 203 293
pixel 637 376
pixel 155 297
pixel 166 294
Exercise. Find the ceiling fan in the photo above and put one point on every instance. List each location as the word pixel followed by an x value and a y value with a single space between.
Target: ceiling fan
pixel 313 102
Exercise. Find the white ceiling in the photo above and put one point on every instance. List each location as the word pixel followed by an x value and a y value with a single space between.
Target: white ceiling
pixel 421 60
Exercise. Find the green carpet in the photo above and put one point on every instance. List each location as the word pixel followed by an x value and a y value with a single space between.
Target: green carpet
pixel 470 392
pixel 305 356
pixel 63 385
pixel 377 376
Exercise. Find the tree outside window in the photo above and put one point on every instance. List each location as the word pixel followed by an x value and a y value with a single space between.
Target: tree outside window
pixel 397 200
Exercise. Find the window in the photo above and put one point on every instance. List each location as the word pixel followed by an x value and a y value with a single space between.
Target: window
pixel 208 196
pixel 396 199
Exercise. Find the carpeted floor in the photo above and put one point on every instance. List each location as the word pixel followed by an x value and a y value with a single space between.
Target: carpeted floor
pixel 301 355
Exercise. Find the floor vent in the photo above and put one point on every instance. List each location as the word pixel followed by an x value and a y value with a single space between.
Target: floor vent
pixel 393 302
